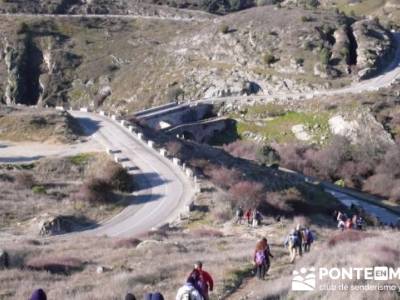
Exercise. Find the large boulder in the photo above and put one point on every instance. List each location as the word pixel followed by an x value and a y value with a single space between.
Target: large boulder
pixel 58 224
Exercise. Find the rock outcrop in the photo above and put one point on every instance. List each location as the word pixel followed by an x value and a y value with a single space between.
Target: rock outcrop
pixel 375 47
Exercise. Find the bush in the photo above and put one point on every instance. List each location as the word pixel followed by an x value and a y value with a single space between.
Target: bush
pixel 206 232
pixel 126 243
pixel 267 155
pixel 173 148
pixel 299 61
pixel 117 177
pixel 348 236
pixel 39 189
pixel 24 180
pixel 247 194
pixel 55 265
pixel 224 177
pixel 325 56
pixel 242 149
pixel 224 29
pixel 268 58
pixel 174 93
pixel 95 190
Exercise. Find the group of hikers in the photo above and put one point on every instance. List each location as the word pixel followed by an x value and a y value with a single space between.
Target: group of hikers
pixel 251 217
pixel 298 241
pixel 197 287
pixel 345 222
pixel 40 294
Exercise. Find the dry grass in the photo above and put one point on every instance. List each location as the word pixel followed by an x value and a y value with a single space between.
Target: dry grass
pixel 162 266
pixel 379 248
pixel 48 187
pixel 39 125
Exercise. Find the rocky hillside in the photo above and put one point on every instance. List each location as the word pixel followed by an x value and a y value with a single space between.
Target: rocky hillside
pixel 129 63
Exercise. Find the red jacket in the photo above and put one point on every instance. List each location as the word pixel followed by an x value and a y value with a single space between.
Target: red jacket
pixel 206 279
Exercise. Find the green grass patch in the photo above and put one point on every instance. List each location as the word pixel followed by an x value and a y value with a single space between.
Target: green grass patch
pixel 234 278
pixel 279 129
pixel 39 189
pixel 362 8
pixel 81 159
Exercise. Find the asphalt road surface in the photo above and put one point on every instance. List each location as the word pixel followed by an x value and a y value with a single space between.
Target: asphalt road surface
pixel 163 190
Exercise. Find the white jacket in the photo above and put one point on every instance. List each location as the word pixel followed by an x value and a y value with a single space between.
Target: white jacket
pixel 188 292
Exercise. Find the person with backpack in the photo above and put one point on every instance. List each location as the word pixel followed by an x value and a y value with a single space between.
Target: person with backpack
pixel 239 215
pixel 248 215
pixel 299 244
pixel 130 296
pixel 256 216
pixel 291 242
pixel 308 239
pixel 154 296
pixel 205 281
pixel 349 223
pixel 38 294
pixel 359 223
pixel 261 258
pixel 190 290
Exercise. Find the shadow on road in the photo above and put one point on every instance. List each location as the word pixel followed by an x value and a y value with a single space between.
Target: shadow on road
pixel 89 126
pixel 20 159
pixel 143 199
pixel 149 180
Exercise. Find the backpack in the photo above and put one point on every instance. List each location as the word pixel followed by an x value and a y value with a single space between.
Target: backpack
pixel 307 236
pixel 293 240
pixel 260 257
pixel 187 295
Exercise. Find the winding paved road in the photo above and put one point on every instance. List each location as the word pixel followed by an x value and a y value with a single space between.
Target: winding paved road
pixel 164 190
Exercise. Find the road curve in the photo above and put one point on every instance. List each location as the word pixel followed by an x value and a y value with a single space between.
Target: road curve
pixel 164 190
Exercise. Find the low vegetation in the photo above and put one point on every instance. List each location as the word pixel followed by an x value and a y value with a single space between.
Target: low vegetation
pixel 38 125
pixel 89 186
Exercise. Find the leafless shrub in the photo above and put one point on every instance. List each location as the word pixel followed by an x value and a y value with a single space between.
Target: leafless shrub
pixel 224 177
pixel 126 243
pixel 380 184
pixel 206 232
pixel 242 149
pixel 55 265
pixel 94 190
pixel 348 236
pixel 173 148
pixel 247 193
pixel 395 193
pixel 222 210
pixel 24 180
pixel 117 176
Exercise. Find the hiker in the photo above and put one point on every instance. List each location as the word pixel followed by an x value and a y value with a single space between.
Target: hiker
pixel 189 290
pixel 239 215
pixel 291 242
pixel 261 258
pixel 308 239
pixel 359 223
pixel 248 216
pixel 299 244
pixel 154 296
pixel 205 282
pixel 130 296
pixel 38 294
pixel 349 223
pixel 256 216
